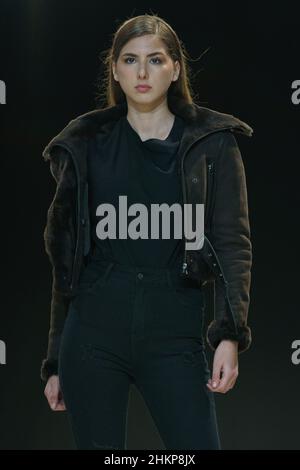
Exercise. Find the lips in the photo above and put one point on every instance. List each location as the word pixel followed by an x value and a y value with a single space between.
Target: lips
pixel 143 87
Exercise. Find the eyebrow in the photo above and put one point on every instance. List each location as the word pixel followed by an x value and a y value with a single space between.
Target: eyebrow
pixel 148 55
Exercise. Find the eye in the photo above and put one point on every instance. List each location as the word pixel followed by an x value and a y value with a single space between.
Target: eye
pixel 156 58
pixel 128 58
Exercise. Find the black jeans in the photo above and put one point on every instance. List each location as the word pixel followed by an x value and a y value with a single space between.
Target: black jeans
pixel 143 326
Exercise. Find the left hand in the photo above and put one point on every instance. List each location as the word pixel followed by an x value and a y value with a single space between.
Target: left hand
pixel 225 367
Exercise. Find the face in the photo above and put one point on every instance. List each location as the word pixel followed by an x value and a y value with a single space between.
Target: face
pixel 144 61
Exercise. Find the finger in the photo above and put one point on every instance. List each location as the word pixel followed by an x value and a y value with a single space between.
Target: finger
pixel 53 404
pixel 232 383
pixel 61 402
pixel 60 407
pixel 223 382
pixel 209 383
pixel 229 383
pixel 216 375
pixel 214 389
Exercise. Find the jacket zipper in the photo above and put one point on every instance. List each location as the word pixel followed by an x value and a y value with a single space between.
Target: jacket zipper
pixel 184 264
pixel 209 193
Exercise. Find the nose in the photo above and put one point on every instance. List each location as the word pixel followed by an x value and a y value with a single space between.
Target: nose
pixel 142 73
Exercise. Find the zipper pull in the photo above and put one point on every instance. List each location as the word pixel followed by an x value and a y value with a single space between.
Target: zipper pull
pixel 184 270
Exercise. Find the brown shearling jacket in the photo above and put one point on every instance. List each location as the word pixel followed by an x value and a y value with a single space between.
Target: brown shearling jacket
pixel 212 173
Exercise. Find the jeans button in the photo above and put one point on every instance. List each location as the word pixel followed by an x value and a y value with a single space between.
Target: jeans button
pixel 140 275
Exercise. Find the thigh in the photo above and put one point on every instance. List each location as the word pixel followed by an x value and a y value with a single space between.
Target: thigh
pixel 183 408
pixel 174 316
pixel 95 387
pixel 174 371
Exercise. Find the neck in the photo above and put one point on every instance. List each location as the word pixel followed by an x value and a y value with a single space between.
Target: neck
pixel 153 121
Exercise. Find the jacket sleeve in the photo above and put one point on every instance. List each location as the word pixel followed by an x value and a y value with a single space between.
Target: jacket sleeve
pixel 230 237
pixel 59 238
pixel 59 310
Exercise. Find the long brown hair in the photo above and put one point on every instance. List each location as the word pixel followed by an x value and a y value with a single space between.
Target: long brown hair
pixel 110 91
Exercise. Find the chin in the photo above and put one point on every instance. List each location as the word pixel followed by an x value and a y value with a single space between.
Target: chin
pixel 145 98
pixel 141 99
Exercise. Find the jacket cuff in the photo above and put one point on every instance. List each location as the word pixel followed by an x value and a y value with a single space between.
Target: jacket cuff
pixel 218 330
pixel 49 367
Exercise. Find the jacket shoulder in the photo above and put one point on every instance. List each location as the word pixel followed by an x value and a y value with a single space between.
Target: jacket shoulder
pixel 217 120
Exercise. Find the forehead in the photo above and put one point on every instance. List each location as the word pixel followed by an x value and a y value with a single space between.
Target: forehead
pixel 144 44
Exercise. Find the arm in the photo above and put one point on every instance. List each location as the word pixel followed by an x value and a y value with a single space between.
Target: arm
pixel 59 238
pixel 230 237
pixel 59 310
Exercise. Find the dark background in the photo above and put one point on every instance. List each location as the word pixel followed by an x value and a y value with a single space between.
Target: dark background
pixel 49 60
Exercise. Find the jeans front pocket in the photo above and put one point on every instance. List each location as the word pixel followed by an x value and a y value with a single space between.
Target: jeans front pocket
pixel 92 278
pixel 91 289
pixel 189 302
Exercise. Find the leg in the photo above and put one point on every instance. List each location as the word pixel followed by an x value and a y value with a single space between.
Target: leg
pixel 173 371
pixel 182 407
pixel 95 387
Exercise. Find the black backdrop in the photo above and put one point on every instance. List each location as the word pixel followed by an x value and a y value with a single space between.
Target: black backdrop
pixel 49 63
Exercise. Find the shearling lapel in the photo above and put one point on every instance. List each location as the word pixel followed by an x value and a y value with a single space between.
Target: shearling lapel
pixel 199 122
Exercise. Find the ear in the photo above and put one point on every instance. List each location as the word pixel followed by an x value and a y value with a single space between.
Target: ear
pixel 176 71
pixel 115 75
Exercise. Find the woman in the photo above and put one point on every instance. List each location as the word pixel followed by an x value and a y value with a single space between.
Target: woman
pixel 130 308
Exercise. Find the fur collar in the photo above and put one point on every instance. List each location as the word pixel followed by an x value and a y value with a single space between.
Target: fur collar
pixel 199 121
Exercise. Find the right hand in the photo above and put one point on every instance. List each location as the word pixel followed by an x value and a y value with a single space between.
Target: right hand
pixel 54 395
